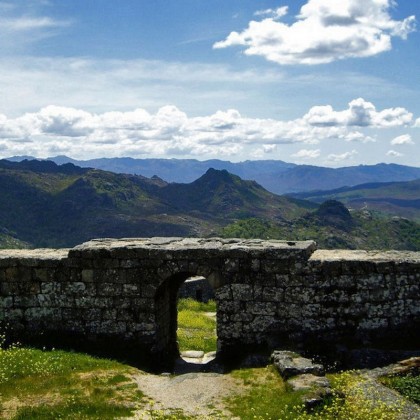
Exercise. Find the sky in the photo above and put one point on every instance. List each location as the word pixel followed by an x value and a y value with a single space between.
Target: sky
pixel 319 82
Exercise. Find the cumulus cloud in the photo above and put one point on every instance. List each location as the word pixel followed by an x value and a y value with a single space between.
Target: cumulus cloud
pixel 340 157
pixel 268 148
pixel 403 139
pixel 393 153
pixel 324 31
pixel 357 136
pixel 360 113
pixel 171 132
pixel 307 154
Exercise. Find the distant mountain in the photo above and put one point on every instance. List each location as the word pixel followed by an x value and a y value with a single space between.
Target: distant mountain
pixel 274 175
pixel 178 170
pixel 57 206
pixel 394 198
pixel 308 178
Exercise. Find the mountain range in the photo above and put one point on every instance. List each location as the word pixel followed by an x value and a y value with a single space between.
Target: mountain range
pixel 48 205
pixel 57 206
pixel 274 175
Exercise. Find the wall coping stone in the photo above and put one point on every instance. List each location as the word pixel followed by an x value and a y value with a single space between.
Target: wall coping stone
pixel 35 254
pixel 193 243
pixel 322 255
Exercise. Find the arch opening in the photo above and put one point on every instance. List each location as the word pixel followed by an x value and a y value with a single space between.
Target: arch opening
pixel 185 308
pixel 197 322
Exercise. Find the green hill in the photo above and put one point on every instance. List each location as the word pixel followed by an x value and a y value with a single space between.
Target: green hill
pixel 393 198
pixel 333 226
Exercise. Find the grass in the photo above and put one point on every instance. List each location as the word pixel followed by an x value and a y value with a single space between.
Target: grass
pixel 196 330
pixel 36 384
pixel 266 396
pixel 407 385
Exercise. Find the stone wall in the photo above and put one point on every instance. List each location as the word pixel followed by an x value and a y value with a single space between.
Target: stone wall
pixel 197 288
pixel 120 295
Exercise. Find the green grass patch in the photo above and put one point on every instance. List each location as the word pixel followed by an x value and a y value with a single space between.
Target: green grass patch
pixel 265 396
pixel 407 385
pixel 196 329
pixel 75 409
pixel 194 305
pixel 36 384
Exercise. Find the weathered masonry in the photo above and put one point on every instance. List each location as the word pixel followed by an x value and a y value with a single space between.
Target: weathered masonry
pixel 121 294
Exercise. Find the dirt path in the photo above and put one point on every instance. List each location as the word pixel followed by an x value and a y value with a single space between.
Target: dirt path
pixel 194 392
pixel 197 393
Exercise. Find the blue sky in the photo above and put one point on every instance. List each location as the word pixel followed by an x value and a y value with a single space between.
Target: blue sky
pixel 323 82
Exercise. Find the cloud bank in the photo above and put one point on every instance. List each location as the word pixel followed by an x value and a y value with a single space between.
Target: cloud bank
pixel 324 31
pixel 171 132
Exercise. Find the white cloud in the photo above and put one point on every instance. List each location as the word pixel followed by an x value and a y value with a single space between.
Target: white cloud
pixel 393 153
pixel 403 139
pixel 357 136
pixel 166 132
pixel 307 154
pixel 340 157
pixel 274 13
pixel 324 31
pixel 360 113
pixel 268 148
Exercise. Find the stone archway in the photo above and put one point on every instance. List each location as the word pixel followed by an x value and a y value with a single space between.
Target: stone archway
pixel 166 310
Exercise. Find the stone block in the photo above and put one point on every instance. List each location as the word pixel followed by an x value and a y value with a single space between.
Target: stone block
pixel 50 287
pixel 242 292
pixel 8 288
pixel 131 290
pixel 6 302
pixel 109 314
pixel 109 289
pixel 130 263
pixel 42 274
pixel 111 275
pixel 26 301
pixel 101 302
pixel 261 308
pixel 75 288
pixel 46 314
pixel 148 291
pixel 223 293
pixel 106 263
pixel 87 275
pixel 143 304
pixel 14 315
pixel 87 302
pixel 272 294
pixel 125 315
pixel 18 274
pixel 290 364
pixel 231 265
